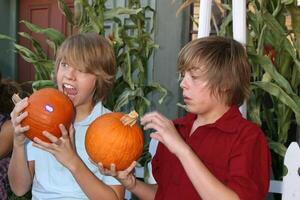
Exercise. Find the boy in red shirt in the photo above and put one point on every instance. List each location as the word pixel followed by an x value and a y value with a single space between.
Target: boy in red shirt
pixel 212 152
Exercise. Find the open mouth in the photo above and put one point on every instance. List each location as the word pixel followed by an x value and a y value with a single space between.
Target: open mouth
pixel 70 91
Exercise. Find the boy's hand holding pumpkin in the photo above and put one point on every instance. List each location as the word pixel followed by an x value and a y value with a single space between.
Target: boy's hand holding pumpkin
pixel 62 148
pixel 126 177
pixel 16 118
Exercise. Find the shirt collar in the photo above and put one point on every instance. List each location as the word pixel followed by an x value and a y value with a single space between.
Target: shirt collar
pixel 98 110
pixel 227 123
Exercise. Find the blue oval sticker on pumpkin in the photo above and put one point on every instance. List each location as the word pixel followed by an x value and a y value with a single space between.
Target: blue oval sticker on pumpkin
pixel 49 108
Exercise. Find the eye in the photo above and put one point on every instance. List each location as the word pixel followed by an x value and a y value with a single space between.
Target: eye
pixel 64 64
pixel 81 70
pixel 195 77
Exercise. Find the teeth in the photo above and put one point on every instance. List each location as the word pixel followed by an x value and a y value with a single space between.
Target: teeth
pixel 68 86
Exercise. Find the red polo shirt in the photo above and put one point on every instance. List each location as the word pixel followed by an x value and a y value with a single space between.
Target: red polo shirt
pixel 235 150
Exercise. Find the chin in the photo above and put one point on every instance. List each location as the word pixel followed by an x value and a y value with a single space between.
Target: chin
pixel 193 110
pixel 188 109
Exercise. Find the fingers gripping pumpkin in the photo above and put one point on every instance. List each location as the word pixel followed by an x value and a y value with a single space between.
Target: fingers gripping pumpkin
pixel 115 138
pixel 47 109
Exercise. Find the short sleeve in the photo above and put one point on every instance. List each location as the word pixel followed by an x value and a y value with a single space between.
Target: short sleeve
pixel 249 168
pixel 31 151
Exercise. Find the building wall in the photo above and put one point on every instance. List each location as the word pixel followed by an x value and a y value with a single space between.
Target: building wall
pixel 171 33
pixel 8 18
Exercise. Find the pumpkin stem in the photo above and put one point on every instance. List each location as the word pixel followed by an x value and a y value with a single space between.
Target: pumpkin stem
pixel 130 119
pixel 16 98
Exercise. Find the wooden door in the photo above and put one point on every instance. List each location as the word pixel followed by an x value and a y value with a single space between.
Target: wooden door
pixel 44 13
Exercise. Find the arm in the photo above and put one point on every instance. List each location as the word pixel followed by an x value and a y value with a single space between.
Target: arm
pixel 6 139
pixel 63 149
pixel 142 190
pixel 91 185
pixel 205 183
pixel 20 172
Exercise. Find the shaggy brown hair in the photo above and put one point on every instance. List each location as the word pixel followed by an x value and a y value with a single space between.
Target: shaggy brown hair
pixel 224 64
pixel 91 53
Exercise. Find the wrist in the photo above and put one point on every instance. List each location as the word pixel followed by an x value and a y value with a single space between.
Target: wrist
pixel 132 183
pixel 18 144
pixel 74 164
pixel 184 151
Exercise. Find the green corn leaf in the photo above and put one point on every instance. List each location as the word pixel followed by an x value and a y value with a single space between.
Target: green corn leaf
pixel 126 96
pixel 148 8
pixel 127 71
pixel 52 45
pixel 254 111
pixel 35 44
pixel 277 147
pixel 40 73
pixel 268 115
pixel 81 18
pixel 156 87
pixel 50 33
pixel 273 24
pixel 226 7
pixel 287 2
pixel 47 66
pixel 267 65
pixel 295 16
pixel 27 54
pixel 281 95
pixel 284 115
pixel 44 69
pixel 5 37
pixel 225 24
pixel 254 20
pixel 143 104
pixel 97 22
pixel 37 85
pixel 116 12
pixel 280 35
pixel 141 71
pixel 65 10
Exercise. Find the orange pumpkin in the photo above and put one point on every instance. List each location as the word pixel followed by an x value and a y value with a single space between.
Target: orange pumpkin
pixel 114 138
pixel 47 109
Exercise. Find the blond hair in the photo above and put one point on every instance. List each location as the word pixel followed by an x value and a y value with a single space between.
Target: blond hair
pixel 91 53
pixel 224 63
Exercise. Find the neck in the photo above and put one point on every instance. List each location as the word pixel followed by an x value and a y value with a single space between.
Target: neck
pixel 209 117
pixel 212 116
pixel 82 111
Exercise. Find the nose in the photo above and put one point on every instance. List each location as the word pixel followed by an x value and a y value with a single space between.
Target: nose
pixel 183 83
pixel 71 73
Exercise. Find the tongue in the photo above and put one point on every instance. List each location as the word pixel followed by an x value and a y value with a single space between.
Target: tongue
pixel 70 91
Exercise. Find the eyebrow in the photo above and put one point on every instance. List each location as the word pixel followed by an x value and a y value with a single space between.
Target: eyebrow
pixel 196 70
